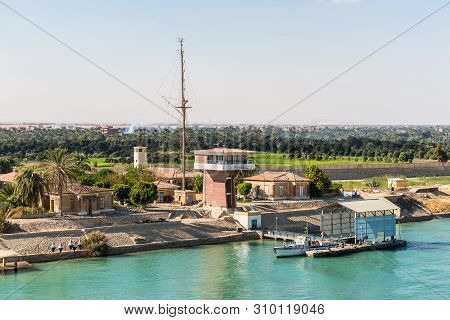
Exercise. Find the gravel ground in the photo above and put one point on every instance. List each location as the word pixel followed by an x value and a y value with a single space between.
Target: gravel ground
pixel 120 235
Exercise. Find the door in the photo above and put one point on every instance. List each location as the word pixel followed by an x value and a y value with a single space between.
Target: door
pixel 281 191
pixel 254 223
pixel 89 207
pixel 301 191
pixel 190 200
pixel 161 197
pixel 266 191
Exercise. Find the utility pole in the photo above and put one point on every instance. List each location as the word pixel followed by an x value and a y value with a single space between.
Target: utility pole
pixel 182 111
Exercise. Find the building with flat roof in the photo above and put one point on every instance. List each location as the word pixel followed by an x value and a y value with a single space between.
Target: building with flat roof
pixel 220 166
pixel 364 219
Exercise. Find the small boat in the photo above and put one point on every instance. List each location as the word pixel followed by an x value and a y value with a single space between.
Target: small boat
pixel 296 248
pixel 299 247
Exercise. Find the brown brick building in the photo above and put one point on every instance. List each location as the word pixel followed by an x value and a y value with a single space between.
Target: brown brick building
pixel 79 199
pixel 279 185
pixel 220 166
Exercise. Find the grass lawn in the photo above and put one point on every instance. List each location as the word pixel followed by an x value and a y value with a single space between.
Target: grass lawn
pixel 279 159
pixel 101 162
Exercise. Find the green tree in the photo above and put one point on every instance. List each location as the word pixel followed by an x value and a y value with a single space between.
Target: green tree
pixel 122 192
pixel 82 160
pixel 30 188
pixel 143 192
pixel 440 153
pixel 6 164
pixel 244 188
pixel 60 168
pixel 197 183
pixel 320 182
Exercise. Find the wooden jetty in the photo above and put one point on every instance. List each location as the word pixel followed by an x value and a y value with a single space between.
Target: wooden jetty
pixel 14 266
pixel 11 261
pixel 354 248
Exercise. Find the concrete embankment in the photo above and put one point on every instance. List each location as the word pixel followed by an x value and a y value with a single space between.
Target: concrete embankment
pixel 117 250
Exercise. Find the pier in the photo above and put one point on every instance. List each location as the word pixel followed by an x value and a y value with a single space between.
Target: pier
pixel 10 261
pixel 354 248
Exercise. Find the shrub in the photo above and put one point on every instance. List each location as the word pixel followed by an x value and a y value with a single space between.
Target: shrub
pixel 320 182
pixel 244 188
pixel 95 243
pixel 122 193
pixel 373 183
pixel 197 183
pixel 143 192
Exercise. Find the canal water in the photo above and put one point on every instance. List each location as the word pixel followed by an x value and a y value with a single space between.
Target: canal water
pixel 249 270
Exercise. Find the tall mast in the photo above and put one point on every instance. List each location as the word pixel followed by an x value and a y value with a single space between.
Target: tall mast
pixel 183 114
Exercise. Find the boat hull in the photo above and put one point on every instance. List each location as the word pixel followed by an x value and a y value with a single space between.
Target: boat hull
pixel 289 252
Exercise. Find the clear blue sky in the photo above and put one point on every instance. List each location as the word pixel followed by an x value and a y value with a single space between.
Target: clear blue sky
pixel 246 61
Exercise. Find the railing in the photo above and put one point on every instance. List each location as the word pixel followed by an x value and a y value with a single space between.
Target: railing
pixel 221 166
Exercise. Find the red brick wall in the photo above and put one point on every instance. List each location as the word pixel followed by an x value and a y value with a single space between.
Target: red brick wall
pixel 201 159
pixel 214 189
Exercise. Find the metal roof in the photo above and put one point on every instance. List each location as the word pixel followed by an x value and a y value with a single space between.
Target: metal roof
pixel 361 206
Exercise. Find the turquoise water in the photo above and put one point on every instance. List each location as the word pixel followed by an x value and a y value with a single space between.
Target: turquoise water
pixel 249 270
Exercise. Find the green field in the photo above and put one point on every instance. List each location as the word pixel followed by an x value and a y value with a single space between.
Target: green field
pixel 421 181
pixel 279 159
pixel 101 162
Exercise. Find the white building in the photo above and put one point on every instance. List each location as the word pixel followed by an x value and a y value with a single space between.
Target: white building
pixel 140 157
pixel 248 219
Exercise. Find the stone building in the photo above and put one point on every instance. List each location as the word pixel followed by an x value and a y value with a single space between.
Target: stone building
pixel 165 191
pixel 172 175
pixel 81 200
pixel 7 178
pixel 279 185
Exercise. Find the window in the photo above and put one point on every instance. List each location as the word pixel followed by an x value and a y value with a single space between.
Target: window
pixel 101 202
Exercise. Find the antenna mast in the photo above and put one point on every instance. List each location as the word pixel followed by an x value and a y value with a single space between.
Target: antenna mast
pixel 182 111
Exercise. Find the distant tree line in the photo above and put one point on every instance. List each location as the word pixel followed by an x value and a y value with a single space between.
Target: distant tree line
pixel 397 144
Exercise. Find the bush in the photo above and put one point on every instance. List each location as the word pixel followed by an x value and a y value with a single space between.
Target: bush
pixel 244 188
pixel 143 192
pixel 373 183
pixel 320 182
pixel 197 183
pixel 5 225
pixel 95 243
pixel 122 193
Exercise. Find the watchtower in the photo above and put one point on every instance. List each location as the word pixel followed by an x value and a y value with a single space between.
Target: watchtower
pixel 220 166
pixel 140 157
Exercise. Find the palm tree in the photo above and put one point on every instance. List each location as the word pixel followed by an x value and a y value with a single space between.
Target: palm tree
pixel 7 193
pixel 60 168
pixel 7 200
pixel 82 160
pixel 30 188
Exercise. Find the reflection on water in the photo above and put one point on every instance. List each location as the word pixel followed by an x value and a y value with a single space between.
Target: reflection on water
pixel 248 270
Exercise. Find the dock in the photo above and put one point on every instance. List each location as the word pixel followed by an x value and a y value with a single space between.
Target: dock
pixel 354 248
pixel 11 261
